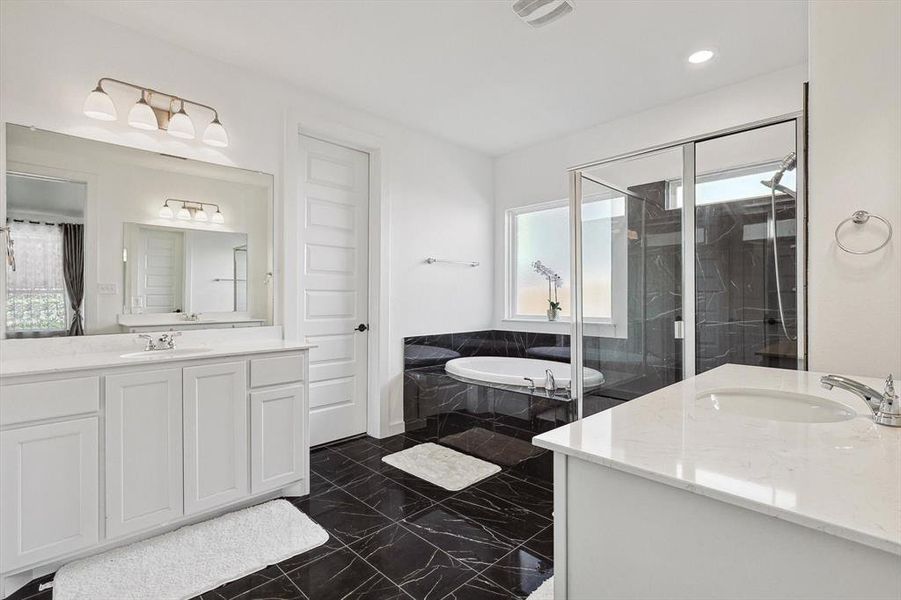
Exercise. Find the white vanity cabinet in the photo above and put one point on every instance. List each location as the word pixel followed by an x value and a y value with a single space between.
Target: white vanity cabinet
pixel 104 456
pixel 143 450
pixel 49 469
pixel 215 435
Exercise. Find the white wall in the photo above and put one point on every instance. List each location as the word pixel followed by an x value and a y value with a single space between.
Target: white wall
pixel 439 195
pixel 855 163
pixel 538 173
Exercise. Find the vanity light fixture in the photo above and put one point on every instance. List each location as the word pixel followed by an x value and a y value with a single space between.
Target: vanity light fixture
pixel 191 211
pixel 141 115
pixel 98 105
pixel 145 115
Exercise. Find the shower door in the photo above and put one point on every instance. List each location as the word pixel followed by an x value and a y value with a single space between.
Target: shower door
pixel 746 250
pixel 686 257
pixel 630 277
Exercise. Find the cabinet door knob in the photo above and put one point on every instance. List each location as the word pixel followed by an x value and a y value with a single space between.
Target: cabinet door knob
pixel 361 327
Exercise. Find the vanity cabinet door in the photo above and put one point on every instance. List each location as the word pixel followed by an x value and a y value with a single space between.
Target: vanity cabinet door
pixel 48 491
pixel 276 437
pixel 215 406
pixel 143 450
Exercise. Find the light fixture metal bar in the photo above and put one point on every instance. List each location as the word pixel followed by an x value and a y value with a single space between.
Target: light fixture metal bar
pixel 171 97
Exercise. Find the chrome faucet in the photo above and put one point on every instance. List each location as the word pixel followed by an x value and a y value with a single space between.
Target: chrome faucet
pixel 165 341
pixel 550 384
pixel 885 405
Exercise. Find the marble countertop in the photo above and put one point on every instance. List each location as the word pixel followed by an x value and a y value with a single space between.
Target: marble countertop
pixel 11 366
pixel 842 478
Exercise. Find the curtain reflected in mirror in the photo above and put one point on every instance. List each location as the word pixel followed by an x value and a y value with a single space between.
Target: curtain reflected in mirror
pixel 45 281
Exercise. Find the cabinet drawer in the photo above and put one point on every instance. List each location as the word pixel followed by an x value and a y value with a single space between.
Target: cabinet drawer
pixel 49 399
pixel 276 370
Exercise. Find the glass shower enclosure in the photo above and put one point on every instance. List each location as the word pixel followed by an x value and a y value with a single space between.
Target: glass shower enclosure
pixel 688 256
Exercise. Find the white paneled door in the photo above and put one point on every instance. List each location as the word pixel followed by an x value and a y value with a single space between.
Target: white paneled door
pixel 335 285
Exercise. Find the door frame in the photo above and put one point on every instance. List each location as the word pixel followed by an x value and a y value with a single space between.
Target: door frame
pixel 378 413
pixel 688 239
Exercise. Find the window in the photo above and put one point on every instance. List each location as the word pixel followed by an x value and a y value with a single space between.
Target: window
pixel 541 233
pixel 731 185
pixel 36 291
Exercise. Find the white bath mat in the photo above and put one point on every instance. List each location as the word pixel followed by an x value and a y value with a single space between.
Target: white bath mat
pixel 442 466
pixel 545 591
pixel 194 559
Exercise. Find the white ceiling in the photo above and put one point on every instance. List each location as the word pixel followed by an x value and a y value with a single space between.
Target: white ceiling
pixel 470 71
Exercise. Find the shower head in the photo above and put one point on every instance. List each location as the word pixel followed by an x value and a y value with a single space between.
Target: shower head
pixel 788 164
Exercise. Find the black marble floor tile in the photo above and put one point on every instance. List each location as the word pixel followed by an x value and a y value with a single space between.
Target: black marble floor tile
pixel 419 568
pixel 336 468
pixel 281 588
pixel 333 577
pixel 295 562
pixel 387 496
pixel 521 493
pixel 380 588
pixel 539 470
pixel 542 543
pixel 343 516
pixel 470 542
pixel 503 517
pixel 29 591
pixel 520 572
pixel 414 483
pixel 479 588
pixel 244 585
pixel 318 485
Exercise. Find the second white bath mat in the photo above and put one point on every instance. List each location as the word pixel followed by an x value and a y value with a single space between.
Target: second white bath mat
pixel 442 466
pixel 194 559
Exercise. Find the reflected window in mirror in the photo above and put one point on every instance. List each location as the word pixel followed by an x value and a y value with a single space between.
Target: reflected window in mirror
pixel 45 274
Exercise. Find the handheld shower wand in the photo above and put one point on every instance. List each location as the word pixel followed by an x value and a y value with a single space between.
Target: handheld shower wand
pixel 788 163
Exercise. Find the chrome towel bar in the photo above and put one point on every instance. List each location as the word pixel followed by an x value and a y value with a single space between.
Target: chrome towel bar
pixel 469 263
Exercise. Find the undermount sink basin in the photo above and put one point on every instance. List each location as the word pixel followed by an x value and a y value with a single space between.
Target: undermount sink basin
pixel 777 406
pixel 175 352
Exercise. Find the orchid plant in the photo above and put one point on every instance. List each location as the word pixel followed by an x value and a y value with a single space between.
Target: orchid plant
pixel 554 281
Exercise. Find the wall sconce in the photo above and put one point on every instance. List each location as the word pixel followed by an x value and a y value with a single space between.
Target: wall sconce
pixel 144 115
pixel 191 211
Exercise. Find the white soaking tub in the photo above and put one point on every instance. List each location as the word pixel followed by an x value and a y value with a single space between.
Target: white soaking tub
pixel 506 370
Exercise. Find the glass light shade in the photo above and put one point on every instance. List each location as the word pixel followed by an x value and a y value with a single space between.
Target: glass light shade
pixel 141 116
pixel 98 105
pixel 200 215
pixel 215 134
pixel 180 125
pixel 218 218
pixel 166 212
pixel 183 214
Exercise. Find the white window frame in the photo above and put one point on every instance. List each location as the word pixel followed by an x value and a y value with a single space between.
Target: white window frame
pixel 614 326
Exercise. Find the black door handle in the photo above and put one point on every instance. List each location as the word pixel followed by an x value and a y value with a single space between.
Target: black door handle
pixel 361 327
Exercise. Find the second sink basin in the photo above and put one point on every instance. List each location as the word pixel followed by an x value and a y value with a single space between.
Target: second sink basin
pixel 777 406
pixel 175 352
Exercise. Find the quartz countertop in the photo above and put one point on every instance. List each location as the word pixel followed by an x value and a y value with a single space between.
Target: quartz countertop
pixel 76 361
pixel 842 478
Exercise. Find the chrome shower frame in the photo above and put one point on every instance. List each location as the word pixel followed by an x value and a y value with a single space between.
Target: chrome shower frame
pixel 688 145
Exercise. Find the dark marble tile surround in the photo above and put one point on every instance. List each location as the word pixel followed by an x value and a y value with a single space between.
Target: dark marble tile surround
pixel 394 536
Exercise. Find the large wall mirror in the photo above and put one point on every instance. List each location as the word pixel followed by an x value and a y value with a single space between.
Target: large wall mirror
pixel 109 239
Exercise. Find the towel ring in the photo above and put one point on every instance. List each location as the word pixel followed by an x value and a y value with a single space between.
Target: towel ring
pixel 859 217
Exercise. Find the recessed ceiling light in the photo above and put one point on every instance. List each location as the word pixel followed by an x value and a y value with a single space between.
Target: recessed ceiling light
pixel 701 56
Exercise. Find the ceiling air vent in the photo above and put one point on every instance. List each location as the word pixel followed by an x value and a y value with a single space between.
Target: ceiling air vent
pixel 539 13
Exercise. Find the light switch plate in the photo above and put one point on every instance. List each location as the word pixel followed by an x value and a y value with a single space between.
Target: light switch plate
pixel 106 288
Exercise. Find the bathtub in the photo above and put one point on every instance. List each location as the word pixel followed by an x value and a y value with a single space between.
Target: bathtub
pixel 514 371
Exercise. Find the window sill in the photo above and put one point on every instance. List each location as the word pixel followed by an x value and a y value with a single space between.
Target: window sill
pixel 563 326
